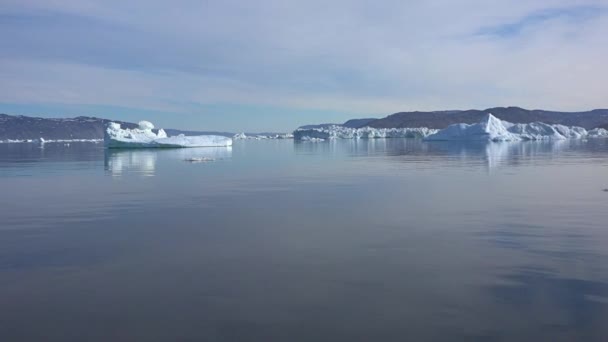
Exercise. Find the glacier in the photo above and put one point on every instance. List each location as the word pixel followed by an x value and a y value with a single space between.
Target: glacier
pixel 144 137
pixel 493 129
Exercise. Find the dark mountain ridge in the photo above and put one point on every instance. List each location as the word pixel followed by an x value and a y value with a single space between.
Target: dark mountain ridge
pixel 356 123
pixel 441 119
pixel 21 127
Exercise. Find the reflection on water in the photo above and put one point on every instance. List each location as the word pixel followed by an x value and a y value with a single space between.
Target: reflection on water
pixel 490 154
pixel 351 240
pixel 117 162
pixel 143 161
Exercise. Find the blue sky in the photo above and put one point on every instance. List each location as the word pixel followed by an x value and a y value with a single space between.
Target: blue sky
pixel 272 65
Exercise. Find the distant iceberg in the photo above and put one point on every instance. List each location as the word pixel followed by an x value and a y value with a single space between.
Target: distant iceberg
pixel 494 129
pixel 342 132
pixel 48 141
pixel 243 136
pixel 489 129
pixel 144 137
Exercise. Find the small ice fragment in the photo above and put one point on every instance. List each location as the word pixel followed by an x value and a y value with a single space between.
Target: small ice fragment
pixel 199 159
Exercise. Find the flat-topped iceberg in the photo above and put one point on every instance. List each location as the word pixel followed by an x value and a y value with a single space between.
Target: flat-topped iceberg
pixel 494 129
pixel 144 137
pixel 341 132
pixel 243 136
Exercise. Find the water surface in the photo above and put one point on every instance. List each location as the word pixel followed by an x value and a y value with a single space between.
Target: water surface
pixel 368 240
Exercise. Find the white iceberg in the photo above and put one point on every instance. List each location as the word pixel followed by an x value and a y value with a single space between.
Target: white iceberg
pixel 494 129
pixel 243 136
pixel 489 129
pixel 144 137
pixel 47 141
pixel 341 132
pixel 597 133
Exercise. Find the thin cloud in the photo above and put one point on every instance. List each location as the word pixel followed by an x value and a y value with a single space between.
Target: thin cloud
pixel 349 57
pixel 575 15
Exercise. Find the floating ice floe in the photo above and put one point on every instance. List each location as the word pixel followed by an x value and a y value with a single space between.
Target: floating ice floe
pixel 47 141
pixel 144 137
pixel 494 129
pixel 341 132
pixel 199 159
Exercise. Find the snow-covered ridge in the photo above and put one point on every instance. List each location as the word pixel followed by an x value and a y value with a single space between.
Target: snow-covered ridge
pixel 488 129
pixel 341 132
pixel 494 129
pixel 144 137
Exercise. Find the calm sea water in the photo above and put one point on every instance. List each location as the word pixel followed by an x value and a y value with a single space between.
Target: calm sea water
pixel 370 240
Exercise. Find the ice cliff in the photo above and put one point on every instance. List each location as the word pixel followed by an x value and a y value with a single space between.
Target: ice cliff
pixel 341 132
pixel 243 136
pixel 144 137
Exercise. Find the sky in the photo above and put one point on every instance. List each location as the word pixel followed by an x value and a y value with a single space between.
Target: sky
pixel 273 65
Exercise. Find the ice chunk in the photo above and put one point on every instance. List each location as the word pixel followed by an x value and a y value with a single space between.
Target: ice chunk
pixel 199 159
pixel 161 133
pixel 489 129
pixel 598 133
pixel 145 125
pixel 194 141
pixel 143 137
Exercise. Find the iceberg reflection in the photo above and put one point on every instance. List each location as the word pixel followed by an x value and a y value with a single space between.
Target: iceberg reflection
pixel 145 162
pixel 445 154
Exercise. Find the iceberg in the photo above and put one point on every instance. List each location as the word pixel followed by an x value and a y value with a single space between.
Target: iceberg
pixel 243 136
pixel 597 133
pixel 341 132
pixel 48 141
pixel 144 137
pixel 490 128
pixel 493 129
